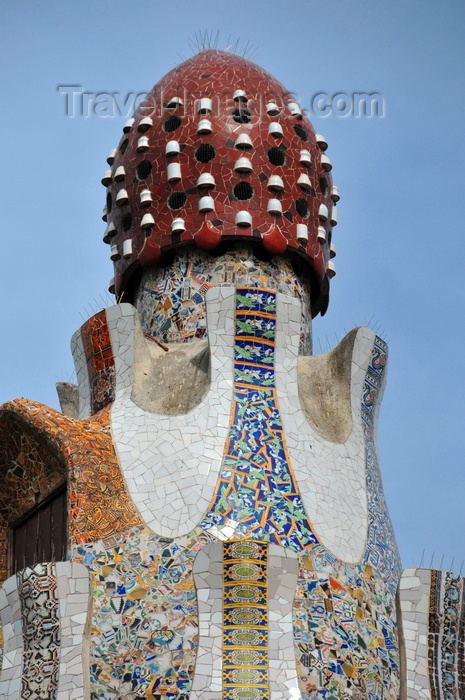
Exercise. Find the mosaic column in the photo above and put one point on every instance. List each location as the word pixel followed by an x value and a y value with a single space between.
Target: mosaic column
pixel 44 610
pixel 237 633
pixel 245 625
pixel 433 621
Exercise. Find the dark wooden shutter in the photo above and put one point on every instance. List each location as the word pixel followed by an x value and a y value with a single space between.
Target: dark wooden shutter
pixel 41 534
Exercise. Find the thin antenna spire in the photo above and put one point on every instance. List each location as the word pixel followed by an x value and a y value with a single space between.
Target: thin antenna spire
pixel 211 38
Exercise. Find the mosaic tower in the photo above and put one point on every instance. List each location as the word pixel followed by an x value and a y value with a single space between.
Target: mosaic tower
pixel 207 520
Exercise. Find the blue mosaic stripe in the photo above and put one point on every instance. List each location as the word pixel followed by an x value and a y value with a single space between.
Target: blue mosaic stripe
pixel 256 488
pixel 373 380
pixel 381 550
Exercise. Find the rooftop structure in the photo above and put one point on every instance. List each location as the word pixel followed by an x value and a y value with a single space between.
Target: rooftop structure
pixel 206 518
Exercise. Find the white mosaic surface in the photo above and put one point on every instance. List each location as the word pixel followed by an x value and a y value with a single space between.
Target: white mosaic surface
pixel 414 594
pixel 283 569
pixel 154 449
pixel 331 476
pixel 208 577
pixel 10 615
pixel 73 596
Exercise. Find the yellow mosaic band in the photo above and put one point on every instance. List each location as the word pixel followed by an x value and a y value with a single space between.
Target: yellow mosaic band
pixel 245 621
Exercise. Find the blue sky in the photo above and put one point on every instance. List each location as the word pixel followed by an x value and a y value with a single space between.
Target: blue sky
pixel 400 240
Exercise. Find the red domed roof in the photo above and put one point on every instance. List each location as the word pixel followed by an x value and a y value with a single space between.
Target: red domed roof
pixel 219 151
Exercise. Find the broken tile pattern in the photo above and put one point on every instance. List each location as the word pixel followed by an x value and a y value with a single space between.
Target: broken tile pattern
pixel 256 494
pixel 446 635
pixel 29 471
pixel 344 619
pixel 217 74
pixel 245 620
pixel 40 446
pixel 171 300
pixel 44 610
pixel 345 631
pixel 99 503
pixel 144 615
pixel 40 615
pixel 344 614
pixel 82 375
pixel 344 626
pixel 99 361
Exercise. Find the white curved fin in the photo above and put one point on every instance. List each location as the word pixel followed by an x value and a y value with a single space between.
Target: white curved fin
pixel 171 463
pixel 331 476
